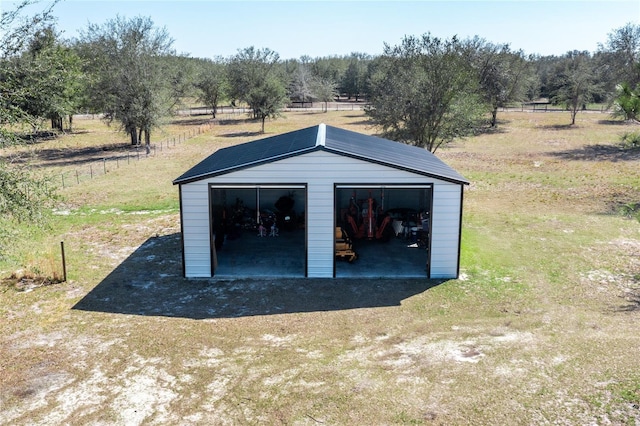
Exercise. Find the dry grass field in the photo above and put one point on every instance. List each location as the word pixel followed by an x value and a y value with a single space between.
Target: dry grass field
pixel 540 328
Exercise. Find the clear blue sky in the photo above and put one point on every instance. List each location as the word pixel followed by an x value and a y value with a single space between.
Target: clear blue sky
pixel 207 28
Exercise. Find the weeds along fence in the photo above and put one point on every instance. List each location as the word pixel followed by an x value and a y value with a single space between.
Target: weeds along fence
pixel 125 157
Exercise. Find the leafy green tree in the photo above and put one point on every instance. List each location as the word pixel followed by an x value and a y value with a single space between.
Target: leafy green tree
pixel 543 69
pixel 267 99
pixel 16 32
pixel 503 75
pixel 212 84
pixel 331 68
pixel 248 68
pixel 181 72
pixel 324 90
pixel 355 76
pixel 24 196
pixel 53 74
pixel 424 92
pixel 575 82
pixel 130 80
pixel 622 55
pixel 256 78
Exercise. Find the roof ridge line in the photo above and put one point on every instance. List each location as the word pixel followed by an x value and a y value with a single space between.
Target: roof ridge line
pixel 321 138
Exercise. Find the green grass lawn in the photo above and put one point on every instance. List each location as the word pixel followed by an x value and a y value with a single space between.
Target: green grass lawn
pixel 540 328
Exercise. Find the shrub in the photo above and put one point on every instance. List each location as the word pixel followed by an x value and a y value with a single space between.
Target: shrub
pixel 631 140
pixel 631 210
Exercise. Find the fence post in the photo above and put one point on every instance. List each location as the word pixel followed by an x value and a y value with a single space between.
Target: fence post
pixel 77 177
pixel 91 170
pixel 64 263
pixel 62 181
pixel 104 165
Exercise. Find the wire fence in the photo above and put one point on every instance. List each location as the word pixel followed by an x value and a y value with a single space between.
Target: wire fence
pixel 548 107
pixel 132 154
pixel 126 157
pixel 228 111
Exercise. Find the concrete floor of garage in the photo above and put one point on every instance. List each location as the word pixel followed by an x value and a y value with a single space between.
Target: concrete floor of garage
pixel 251 256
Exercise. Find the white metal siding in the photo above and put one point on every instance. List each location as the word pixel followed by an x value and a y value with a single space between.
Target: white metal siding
pixel 195 229
pixel 320 170
pixel 445 235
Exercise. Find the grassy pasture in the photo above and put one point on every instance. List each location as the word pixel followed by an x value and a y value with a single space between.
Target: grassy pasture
pixel 541 327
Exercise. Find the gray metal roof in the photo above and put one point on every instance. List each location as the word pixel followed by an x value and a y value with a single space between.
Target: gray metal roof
pixel 329 138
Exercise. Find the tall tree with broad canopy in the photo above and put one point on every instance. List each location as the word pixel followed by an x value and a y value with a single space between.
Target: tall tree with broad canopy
pixel 268 99
pixel 130 84
pixel 424 92
pixel 24 196
pixel 52 73
pixel 503 75
pixel 17 32
pixel 575 82
pixel 256 78
pixel 622 55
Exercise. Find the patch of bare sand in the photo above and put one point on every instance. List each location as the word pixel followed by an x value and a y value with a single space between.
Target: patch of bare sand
pixel 409 355
pixel 141 392
pixel 145 394
pixel 33 394
pixel 620 283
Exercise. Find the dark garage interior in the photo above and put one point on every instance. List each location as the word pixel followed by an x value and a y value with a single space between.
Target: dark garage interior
pixel 263 230
pixel 388 227
pixel 259 231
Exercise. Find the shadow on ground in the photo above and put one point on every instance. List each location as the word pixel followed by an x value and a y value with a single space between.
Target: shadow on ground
pixel 364 123
pixel 599 152
pixel 54 157
pixel 613 122
pixel 199 120
pixel 149 282
pixel 632 305
pixel 241 134
pixel 559 127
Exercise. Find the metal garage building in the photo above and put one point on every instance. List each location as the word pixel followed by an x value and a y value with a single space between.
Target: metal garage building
pixel 305 185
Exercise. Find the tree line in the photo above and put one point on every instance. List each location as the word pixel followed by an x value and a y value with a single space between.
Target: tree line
pixel 126 70
pixel 424 91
